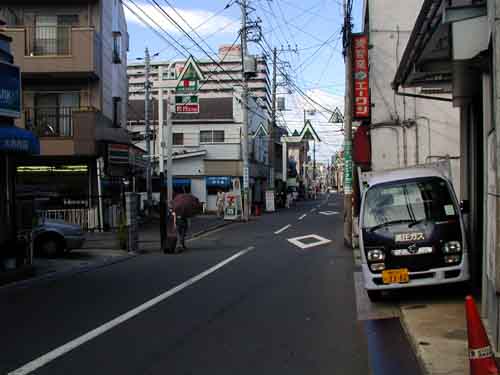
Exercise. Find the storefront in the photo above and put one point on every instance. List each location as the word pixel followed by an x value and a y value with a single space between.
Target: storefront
pixel 214 185
pixel 15 143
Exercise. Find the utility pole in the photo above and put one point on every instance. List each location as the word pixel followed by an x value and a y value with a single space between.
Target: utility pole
pixel 161 123
pixel 244 99
pixel 348 127
pixel 273 123
pixel 170 164
pixel 147 130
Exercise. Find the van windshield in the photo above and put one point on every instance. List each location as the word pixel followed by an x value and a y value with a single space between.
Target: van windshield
pixel 427 199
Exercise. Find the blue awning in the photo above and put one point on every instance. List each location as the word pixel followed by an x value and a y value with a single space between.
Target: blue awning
pixel 218 181
pixel 14 139
pixel 181 182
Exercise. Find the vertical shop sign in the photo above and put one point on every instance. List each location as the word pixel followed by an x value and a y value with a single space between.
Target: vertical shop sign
pixel 347 167
pixel 361 103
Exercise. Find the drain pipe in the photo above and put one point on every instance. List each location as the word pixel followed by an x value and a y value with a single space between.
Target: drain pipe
pixel 391 126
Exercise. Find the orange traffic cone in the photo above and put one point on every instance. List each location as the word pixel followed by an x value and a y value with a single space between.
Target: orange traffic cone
pixel 480 354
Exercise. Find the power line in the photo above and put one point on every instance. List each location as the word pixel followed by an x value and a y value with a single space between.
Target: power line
pixel 171 20
pixel 148 25
pixel 228 5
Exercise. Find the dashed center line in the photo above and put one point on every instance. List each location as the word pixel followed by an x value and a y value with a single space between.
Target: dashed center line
pixel 303 216
pixel 283 229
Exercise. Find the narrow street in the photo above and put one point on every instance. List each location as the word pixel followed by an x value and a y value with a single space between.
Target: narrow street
pixel 272 307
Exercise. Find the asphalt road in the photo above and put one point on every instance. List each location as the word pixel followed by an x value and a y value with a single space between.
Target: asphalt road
pixel 268 307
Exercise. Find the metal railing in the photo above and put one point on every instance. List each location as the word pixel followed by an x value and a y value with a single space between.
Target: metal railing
pixel 48 41
pixel 50 121
pixel 87 218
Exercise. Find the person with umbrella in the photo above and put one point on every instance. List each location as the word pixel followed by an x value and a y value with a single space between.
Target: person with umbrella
pixel 184 207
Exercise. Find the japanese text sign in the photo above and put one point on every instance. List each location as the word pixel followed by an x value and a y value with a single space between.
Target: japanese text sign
pixel 361 104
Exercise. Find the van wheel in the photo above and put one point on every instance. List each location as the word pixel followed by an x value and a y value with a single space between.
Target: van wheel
pixel 374 295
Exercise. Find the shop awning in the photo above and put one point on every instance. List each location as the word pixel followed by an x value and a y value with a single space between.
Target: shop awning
pixel 181 182
pixel 14 139
pixel 444 33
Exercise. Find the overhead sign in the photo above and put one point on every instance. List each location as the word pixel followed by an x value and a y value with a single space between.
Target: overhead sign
pixel 218 181
pixel 187 104
pixel 10 90
pixel 361 104
pixel 190 77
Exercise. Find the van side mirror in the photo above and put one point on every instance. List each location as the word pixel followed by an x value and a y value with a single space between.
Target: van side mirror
pixel 465 206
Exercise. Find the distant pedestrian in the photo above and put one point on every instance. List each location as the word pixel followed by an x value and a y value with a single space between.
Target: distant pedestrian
pixel 220 203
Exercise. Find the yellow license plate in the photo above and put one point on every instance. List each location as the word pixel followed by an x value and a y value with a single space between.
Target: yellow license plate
pixel 395 276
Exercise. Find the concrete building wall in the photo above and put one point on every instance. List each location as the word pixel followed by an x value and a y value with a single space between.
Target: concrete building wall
pixel 120 86
pixel 107 57
pixel 437 123
pixel 193 166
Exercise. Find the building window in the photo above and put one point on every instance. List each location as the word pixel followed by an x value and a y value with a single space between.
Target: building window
pixel 178 139
pixel 212 136
pixel 117 111
pixel 218 136
pixel 117 48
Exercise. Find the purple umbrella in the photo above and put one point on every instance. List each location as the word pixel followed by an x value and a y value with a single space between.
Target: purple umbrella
pixel 186 205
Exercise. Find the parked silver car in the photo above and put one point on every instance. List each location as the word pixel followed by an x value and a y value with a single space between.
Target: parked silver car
pixel 54 237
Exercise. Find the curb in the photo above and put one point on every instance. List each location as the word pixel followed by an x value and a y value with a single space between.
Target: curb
pixel 66 273
pixel 78 270
pixel 413 343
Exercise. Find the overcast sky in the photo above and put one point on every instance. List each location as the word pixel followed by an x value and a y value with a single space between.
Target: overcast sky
pixel 312 27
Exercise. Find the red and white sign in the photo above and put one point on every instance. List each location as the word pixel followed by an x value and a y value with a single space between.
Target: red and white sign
pixel 361 105
pixel 187 108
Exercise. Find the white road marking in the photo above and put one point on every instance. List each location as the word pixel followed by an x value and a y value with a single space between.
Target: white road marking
pixel 303 216
pixel 283 229
pixel 297 241
pixel 60 351
pixel 328 213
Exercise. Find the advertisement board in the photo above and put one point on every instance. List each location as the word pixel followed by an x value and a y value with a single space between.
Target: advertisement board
pixel 187 104
pixel 360 69
pixel 270 201
pixel 10 90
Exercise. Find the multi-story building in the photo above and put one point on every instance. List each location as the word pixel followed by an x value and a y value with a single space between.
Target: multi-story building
pixel 207 145
pixel 15 143
pixel 73 59
pixel 419 131
pixel 454 47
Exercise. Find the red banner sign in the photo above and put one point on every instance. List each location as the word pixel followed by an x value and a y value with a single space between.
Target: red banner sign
pixel 361 104
pixel 187 108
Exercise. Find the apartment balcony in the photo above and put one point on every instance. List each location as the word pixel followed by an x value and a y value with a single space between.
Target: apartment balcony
pixel 56 52
pixel 64 130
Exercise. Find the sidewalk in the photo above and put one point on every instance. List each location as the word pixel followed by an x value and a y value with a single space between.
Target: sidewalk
pixel 101 249
pixel 438 333
pixel 149 234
